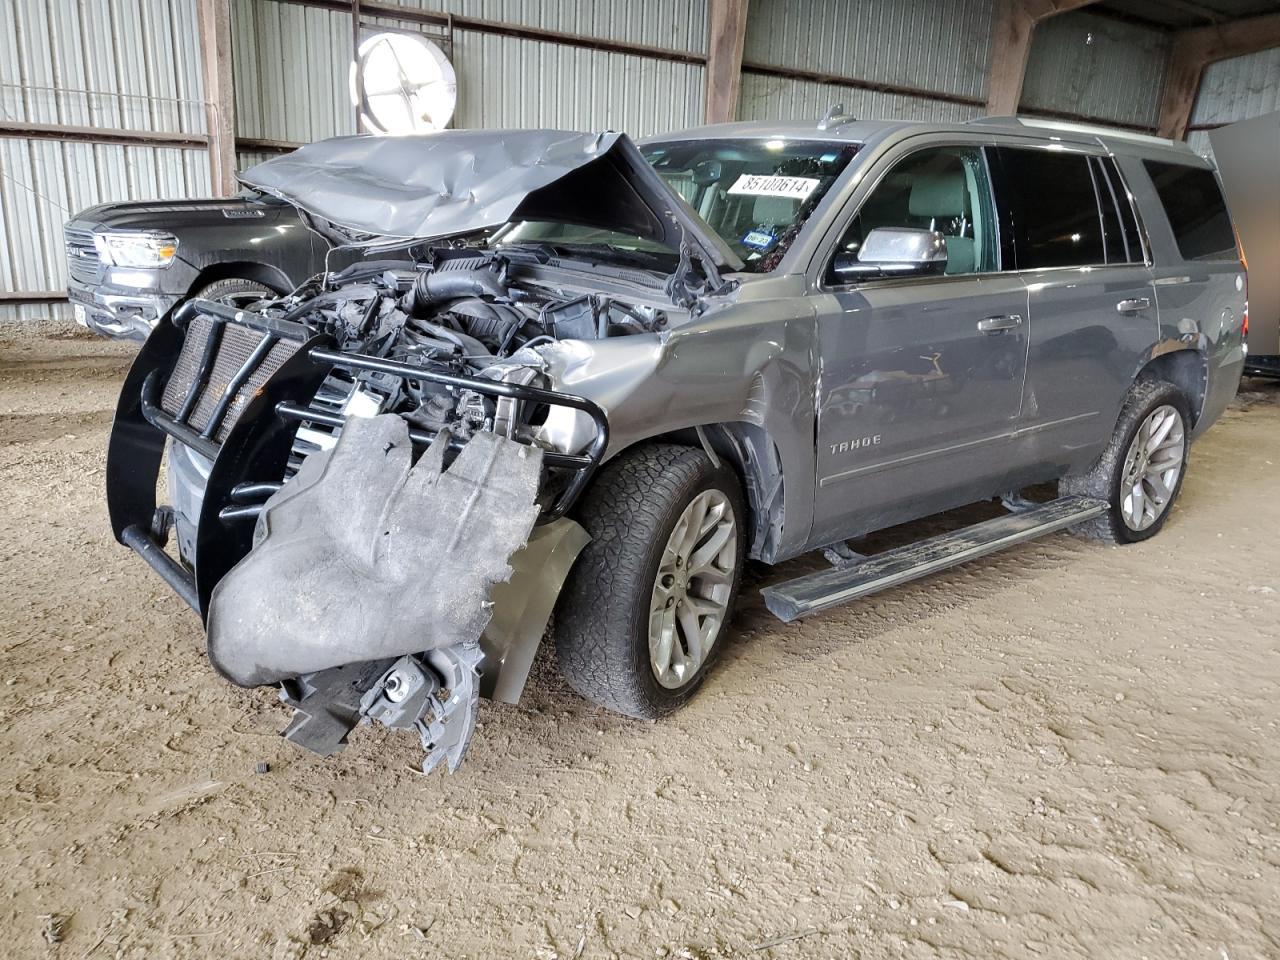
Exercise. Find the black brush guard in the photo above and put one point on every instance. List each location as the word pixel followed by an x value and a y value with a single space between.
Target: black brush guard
pixel 246 427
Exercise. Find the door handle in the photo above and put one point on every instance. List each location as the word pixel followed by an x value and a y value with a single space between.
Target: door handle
pixel 1134 306
pixel 996 324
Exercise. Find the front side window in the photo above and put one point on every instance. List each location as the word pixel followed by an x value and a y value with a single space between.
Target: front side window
pixel 1197 212
pixel 943 189
pixel 1051 207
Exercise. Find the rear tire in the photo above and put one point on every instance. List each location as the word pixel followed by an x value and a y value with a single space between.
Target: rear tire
pixel 1136 472
pixel 637 626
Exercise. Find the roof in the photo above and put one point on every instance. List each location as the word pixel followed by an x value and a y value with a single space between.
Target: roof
pixel 852 131
pixel 863 131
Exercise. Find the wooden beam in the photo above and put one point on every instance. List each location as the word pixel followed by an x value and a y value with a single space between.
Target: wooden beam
pixel 727 36
pixel 129 138
pixel 219 94
pixel 1195 49
pixel 1012 27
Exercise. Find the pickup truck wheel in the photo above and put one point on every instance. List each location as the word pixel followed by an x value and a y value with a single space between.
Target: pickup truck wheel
pixel 639 620
pixel 235 292
pixel 1140 472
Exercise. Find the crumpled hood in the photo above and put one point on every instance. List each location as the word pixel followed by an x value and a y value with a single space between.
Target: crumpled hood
pixel 459 181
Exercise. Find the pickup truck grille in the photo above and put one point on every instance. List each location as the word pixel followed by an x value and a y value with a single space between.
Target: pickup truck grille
pixel 234 353
pixel 82 256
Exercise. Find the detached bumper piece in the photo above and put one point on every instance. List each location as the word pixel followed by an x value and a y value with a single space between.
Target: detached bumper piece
pixel 365 585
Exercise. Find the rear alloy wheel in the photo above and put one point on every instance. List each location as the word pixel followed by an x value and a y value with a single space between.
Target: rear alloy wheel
pixel 1141 470
pixel 642 615
pixel 1152 468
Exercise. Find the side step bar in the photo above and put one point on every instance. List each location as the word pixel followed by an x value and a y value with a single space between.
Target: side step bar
pixel 829 588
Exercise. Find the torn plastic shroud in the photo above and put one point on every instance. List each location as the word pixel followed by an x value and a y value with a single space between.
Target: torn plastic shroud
pixel 461 181
pixel 366 554
pixel 255 451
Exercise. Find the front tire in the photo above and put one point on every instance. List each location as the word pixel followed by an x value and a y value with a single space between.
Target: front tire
pixel 235 292
pixel 642 616
pixel 1140 472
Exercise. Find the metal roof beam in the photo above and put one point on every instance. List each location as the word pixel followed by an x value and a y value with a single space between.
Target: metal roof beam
pixel 1194 50
pixel 1012 29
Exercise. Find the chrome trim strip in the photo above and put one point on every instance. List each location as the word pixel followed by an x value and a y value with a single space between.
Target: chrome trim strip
pixel 928 454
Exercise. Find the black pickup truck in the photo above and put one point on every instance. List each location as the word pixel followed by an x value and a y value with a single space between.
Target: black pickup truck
pixel 130 263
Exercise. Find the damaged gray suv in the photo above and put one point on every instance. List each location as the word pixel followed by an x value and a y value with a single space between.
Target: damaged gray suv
pixel 576 376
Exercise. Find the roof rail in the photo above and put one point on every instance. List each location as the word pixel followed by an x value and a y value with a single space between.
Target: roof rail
pixel 1084 129
pixel 835 117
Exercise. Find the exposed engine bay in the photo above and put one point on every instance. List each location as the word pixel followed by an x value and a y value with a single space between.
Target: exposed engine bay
pixel 369 477
pixel 467 314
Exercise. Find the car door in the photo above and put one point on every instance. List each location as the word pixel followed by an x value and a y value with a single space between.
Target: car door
pixel 1070 223
pixel 921 377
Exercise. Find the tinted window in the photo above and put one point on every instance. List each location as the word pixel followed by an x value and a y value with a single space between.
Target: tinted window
pixel 1119 225
pixel 1128 210
pixel 1196 211
pixel 1051 208
pixel 944 189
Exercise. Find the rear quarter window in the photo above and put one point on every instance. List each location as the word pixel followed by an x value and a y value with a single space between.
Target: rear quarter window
pixel 1193 202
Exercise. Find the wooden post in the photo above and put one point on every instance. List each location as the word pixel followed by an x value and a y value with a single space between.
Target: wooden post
pixel 1012 27
pixel 1195 49
pixel 219 94
pixel 727 33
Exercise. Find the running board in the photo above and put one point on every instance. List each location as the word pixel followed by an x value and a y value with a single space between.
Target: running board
pixel 829 588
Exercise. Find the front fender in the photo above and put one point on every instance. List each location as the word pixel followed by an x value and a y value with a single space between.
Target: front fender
pixel 740 367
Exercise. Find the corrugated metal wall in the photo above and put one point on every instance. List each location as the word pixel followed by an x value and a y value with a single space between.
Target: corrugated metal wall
pixel 934 47
pixel 130 64
pixel 511 82
pixel 766 97
pixel 671 24
pixel 1084 63
pixel 135 64
pixel 292 62
pixel 1236 90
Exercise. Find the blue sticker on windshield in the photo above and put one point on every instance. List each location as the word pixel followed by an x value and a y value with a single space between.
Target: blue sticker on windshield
pixel 760 239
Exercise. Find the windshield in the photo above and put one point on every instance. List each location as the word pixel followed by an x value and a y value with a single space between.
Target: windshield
pixel 756 194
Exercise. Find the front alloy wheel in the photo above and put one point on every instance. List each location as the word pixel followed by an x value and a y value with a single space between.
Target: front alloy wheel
pixel 690 599
pixel 646 608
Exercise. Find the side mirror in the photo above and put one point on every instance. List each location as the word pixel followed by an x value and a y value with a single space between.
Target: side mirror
pixel 894 252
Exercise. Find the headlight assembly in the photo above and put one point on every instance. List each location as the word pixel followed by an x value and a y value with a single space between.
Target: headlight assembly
pixel 136 249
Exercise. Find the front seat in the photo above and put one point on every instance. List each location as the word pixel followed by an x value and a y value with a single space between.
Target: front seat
pixel 942 197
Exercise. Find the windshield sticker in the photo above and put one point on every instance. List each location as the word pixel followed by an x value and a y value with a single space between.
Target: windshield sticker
pixel 760 185
pixel 759 238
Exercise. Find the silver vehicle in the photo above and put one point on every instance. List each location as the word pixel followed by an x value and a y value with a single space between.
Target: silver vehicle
pixel 581 376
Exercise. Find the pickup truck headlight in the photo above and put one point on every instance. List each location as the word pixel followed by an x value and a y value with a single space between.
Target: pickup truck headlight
pixel 136 249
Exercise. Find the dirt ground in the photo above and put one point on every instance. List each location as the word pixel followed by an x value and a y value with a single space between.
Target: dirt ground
pixel 1067 750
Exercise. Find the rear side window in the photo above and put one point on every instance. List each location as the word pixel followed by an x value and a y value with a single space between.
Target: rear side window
pixel 1119 224
pixel 1050 207
pixel 1197 213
